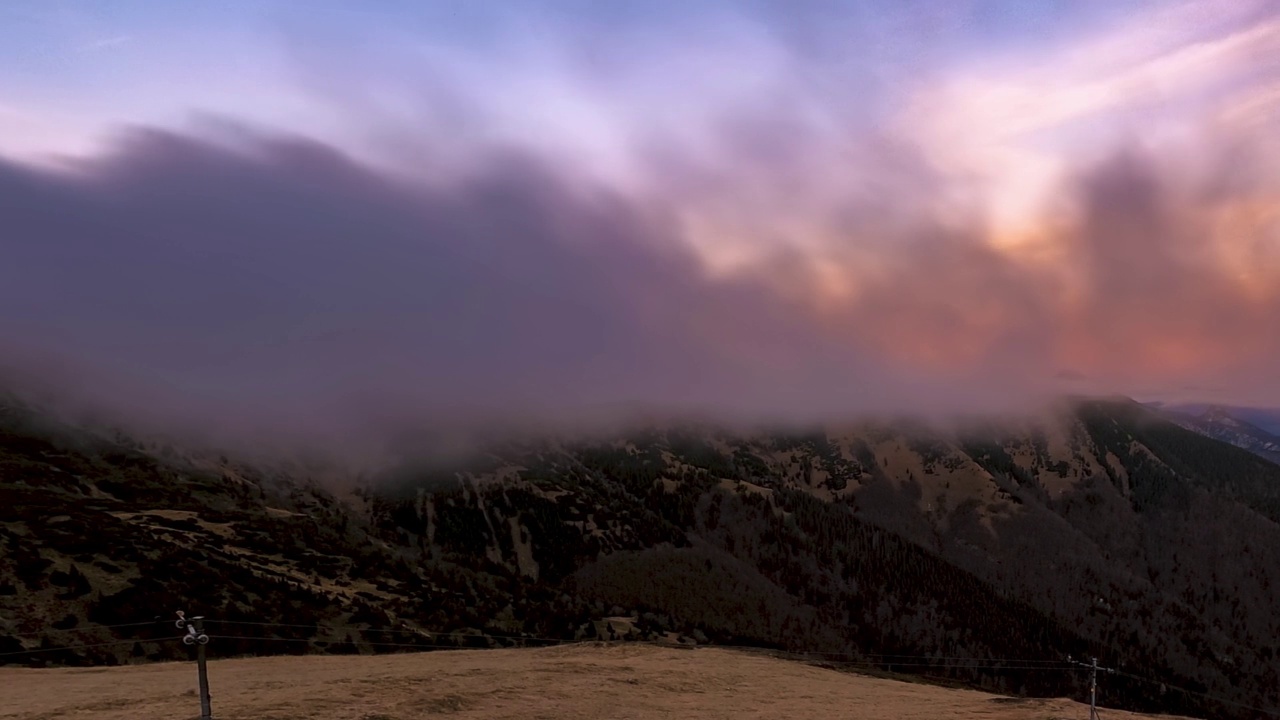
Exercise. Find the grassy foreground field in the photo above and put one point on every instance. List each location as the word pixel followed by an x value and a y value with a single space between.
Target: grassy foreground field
pixel 577 682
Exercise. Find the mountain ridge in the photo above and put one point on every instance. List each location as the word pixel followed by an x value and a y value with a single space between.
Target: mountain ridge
pixel 874 538
pixel 1225 424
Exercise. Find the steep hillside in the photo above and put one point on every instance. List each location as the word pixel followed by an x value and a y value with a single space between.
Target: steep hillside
pixel 985 554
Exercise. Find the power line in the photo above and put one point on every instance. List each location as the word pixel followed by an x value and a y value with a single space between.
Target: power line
pixel 405 630
pixel 952 662
pixel 928 660
pixel 85 646
pixel 419 645
pixel 894 658
pixel 87 628
pixel 955 662
pixel 79 647
pixel 1215 698
pixel 866 665
pixel 408 630
pixel 554 640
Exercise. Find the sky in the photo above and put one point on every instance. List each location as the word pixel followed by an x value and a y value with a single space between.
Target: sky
pixel 312 216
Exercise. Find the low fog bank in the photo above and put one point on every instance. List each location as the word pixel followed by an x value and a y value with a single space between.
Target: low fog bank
pixel 273 292
pixel 379 446
pixel 280 293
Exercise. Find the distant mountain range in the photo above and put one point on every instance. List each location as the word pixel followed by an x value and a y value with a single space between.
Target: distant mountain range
pixel 1252 429
pixel 1268 419
pixel 983 554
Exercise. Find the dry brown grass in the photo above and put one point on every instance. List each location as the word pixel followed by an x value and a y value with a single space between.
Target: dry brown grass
pixel 574 683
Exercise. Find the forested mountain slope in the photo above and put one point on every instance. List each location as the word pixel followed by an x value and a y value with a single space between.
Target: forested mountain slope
pixel 1102 530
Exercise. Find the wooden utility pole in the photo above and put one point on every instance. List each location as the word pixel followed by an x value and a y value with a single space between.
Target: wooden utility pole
pixel 195 636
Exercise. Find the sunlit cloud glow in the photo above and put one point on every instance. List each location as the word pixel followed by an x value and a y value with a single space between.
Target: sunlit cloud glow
pixel 727 207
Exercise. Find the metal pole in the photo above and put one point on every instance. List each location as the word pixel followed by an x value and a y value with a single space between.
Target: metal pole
pixel 1093 690
pixel 195 636
pixel 1093 668
pixel 206 713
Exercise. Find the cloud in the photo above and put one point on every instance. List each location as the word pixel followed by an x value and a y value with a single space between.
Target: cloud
pixel 753 249
pixel 279 282
pixel 1015 121
pixel 108 43
pixel 275 282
